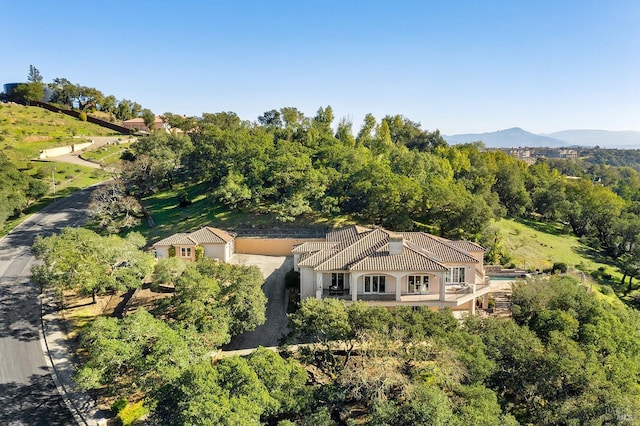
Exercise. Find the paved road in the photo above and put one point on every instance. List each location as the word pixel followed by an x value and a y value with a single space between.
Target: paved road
pixel 28 395
pixel 274 269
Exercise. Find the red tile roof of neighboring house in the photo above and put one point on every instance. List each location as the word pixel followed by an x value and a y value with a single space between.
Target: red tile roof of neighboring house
pixel 205 235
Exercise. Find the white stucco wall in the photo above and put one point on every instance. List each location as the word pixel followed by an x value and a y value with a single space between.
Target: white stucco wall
pixel 307 282
pixel 162 252
pixel 215 251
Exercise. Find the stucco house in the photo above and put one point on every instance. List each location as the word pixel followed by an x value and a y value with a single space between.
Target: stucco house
pixel 138 123
pixel 393 268
pixel 217 244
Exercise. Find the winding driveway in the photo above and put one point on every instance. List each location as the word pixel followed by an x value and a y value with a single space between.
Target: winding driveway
pixel 28 395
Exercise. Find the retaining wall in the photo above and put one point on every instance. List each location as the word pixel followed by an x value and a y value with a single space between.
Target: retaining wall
pixel 269 246
pixel 90 119
pixel 63 150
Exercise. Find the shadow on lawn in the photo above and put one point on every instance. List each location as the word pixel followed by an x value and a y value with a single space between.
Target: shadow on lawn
pixel 546 227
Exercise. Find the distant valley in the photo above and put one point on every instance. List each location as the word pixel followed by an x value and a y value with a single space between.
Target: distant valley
pixel 517 137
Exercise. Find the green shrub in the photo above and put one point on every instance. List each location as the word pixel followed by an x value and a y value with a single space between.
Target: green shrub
pixel 132 412
pixel 172 251
pixel 605 289
pixel 292 279
pixel 82 116
pixel 559 267
pixel 42 172
pixel 118 405
pixel 199 252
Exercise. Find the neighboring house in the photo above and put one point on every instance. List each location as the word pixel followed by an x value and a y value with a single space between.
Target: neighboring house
pixel 138 123
pixel 217 244
pixel 393 268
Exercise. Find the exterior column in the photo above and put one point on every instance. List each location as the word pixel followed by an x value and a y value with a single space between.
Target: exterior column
pixel 353 286
pixel 485 301
pixel 473 306
pixel 318 285
pixel 442 286
pixel 398 278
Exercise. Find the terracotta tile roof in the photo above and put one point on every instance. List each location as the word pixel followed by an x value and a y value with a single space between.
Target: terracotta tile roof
pixel 312 246
pixel 467 246
pixel 205 235
pixel 441 248
pixel 316 258
pixel 181 239
pixel 347 236
pixel 210 235
pixel 364 246
pixel 363 249
pixel 408 260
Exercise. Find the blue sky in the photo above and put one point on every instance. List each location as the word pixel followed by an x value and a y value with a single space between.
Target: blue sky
pixel 457 66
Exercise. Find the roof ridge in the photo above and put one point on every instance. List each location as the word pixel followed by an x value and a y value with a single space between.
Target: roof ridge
pixel 426 253
pixel 421 250
pixel 375 249
pixel 448 243
pixel 360 240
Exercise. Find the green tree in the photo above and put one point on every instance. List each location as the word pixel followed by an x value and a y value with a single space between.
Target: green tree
pixel 323 323
pixel 149 118
pixel 344 133
pixel 271 118
pixel 80 260
pixel 233 191
pixel 135 354
pixel 26 93
pixel 228 393
pixel 365 134
pixel 64 92
pixel 34 75
pixel 284 380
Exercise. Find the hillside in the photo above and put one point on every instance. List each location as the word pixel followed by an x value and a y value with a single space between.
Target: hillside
pixel 507 138
pixel 517 137
pixel 27 130
pixel 532 245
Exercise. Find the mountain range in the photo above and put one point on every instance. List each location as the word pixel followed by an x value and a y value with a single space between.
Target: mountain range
pixel 517 137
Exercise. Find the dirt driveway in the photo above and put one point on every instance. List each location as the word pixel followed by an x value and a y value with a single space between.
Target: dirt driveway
pixel 274 269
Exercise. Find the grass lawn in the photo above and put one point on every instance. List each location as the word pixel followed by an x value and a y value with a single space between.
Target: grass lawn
pixel 24 131
pixel 106 154
pixel 69 178
pixel 170 218
pixel 533 245
pixel 27 130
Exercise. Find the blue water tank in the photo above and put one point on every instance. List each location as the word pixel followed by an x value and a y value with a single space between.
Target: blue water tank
pixel 10 87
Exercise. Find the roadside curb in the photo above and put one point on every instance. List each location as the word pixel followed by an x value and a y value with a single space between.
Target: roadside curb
pixel 58 358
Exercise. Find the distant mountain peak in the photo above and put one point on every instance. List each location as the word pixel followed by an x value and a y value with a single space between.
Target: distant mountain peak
pixel 507 138
pixel 517 137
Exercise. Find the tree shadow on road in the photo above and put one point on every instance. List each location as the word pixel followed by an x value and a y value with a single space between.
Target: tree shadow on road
pixel 36 403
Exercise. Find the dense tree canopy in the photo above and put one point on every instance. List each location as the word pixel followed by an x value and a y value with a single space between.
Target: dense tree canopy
pixel 81 260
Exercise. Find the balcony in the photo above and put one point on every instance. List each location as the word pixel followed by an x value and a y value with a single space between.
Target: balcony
pixel 455 294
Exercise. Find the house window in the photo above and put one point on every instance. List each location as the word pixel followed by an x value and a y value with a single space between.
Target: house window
pixel 374 283
pixel 418 284
pixel 185 252
pixel 456 275
pixel 337 281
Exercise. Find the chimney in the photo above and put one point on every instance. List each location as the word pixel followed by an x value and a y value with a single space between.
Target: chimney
pixel 396 243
